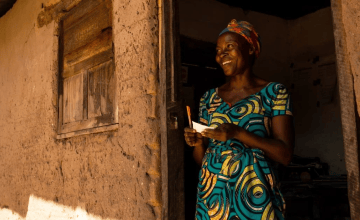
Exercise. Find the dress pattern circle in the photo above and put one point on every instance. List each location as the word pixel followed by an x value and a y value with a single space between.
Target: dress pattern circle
pixel 235 181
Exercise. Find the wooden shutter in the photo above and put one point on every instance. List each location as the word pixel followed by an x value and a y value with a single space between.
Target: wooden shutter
pixel 87 81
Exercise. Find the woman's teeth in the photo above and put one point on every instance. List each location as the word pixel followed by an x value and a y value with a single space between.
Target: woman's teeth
pixel 226 62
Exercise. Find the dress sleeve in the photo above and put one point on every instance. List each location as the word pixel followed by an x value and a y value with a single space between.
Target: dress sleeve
pixel 203 110
pixel 281 103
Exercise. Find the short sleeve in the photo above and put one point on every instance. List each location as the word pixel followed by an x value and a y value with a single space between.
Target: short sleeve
pixel 281 103
pixel 203 111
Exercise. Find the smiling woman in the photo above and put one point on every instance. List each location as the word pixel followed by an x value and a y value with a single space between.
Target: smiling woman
pixel 253 128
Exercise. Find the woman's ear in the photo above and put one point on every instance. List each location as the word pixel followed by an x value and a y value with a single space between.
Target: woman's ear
pixel 251 50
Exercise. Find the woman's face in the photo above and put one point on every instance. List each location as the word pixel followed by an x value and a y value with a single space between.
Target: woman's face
pixel 232 53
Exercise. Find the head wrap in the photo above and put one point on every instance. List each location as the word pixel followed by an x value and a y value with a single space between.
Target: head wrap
pixel 246 30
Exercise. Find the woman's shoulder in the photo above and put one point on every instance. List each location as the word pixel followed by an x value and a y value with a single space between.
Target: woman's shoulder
pixel 209 93
pixel 277 99
pixel 274 88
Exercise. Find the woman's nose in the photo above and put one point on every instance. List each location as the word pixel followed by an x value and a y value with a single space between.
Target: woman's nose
pixel 223 53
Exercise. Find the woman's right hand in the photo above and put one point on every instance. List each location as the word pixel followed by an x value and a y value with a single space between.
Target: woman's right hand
pixel 193 138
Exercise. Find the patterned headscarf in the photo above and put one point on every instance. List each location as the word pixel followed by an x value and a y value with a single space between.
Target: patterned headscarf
pixel 246 30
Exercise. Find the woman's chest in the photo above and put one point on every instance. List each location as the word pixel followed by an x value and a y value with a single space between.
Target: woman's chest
pixel 252 112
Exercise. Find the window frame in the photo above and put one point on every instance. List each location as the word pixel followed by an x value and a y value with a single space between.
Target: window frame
pixel 104 59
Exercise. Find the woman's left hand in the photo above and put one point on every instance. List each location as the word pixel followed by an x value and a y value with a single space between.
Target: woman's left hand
pixel 222 133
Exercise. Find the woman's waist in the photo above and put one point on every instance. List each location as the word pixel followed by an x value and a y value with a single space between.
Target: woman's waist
pixel 233 145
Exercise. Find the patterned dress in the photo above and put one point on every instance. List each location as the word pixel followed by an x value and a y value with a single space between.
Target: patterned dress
pixel 235 181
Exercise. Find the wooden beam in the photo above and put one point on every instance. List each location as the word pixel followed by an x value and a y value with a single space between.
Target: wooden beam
pixel 172 139
pixel 162 110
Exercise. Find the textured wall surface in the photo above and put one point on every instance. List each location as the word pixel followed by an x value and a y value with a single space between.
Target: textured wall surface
pixel 351 22
pixel 312 35
pixel 317 126
pixel 111 175
pixel 346 16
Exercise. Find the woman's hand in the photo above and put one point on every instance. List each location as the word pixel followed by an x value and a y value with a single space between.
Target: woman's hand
pixel 193 138
pixel 223 133
pixel 197 141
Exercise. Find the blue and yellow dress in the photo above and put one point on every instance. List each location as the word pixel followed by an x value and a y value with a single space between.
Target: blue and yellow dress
pixel 235 181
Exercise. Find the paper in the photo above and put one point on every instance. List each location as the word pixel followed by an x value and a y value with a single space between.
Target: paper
pixel 199 127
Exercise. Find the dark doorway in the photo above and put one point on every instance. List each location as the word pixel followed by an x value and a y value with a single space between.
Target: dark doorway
pixel 200 73
pixel 314 186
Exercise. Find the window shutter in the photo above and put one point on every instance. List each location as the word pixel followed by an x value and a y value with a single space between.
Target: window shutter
pixel 87 95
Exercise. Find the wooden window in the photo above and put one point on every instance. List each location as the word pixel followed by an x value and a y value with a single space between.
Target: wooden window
pixel 87 84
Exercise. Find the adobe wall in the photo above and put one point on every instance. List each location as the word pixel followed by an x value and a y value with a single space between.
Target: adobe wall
pixel 317 124
pixel 110 175
pixel 351 22
pixel 346 22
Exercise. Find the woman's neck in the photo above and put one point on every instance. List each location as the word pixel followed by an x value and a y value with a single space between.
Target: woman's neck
pixel 245 80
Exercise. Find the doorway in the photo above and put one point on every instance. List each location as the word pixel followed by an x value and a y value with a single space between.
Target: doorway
pixel 303 62
pixel 199 74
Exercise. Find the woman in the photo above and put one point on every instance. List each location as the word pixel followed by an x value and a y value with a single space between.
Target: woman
pixel 253 126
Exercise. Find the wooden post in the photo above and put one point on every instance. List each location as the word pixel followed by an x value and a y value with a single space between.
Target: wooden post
pixel 348 113
pixel 172 138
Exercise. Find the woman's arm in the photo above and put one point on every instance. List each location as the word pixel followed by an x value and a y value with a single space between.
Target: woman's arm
pixel 196 140
pixel 199 151
pixel 279 148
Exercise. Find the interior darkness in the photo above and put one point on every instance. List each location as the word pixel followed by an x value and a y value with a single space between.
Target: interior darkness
pixel 281 8
pixel 328 200
pixel 203 74
pixel 324 202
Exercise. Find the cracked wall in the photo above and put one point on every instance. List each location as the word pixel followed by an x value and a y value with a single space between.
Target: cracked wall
pixel 113 175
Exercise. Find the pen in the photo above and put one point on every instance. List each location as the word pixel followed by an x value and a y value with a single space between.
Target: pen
pixel 189 116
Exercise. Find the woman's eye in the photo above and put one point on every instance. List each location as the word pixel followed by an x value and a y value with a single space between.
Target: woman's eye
pixel 230 46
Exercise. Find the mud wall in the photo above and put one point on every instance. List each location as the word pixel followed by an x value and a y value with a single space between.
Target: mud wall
pixel 350 19
pixel 346 19
pixel 109 175
pixel 317 124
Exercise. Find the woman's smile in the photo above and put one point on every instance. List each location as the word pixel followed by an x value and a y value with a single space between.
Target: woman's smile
pixel 226 62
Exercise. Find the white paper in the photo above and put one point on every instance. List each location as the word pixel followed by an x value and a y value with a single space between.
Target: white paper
pixel 199 127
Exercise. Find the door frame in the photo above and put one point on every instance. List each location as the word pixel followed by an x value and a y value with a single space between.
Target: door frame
pixel 172 154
